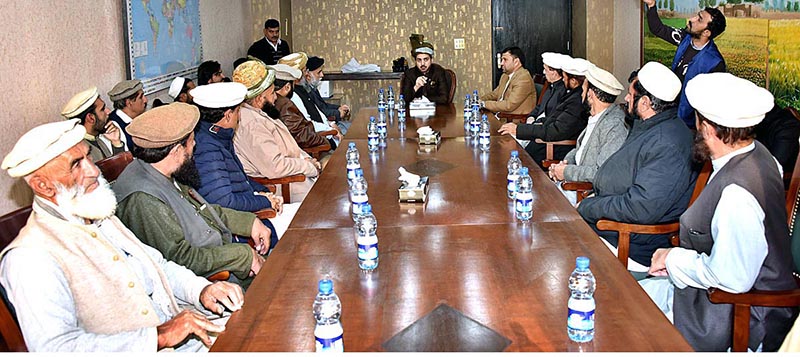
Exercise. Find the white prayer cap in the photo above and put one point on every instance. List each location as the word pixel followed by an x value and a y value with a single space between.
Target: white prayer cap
pixel 79 103
pixel 219 95
pixel 176 86
pixel 42 144
pixel 576 66
pixel 286 72
pixel 660 81
pixel 604 80
pixel 555 60
pixel 728 100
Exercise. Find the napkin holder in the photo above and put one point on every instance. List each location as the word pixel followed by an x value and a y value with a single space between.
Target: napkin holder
pixel 417 194
pixel 430 139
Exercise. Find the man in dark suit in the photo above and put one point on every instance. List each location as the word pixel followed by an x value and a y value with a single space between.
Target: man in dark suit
pixel 270 48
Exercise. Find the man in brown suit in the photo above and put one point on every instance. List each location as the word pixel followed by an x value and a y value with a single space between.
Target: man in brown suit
pixel 515 94
pixel 302 130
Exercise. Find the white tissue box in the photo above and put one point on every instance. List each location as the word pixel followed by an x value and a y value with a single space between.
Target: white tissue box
pixel 416 194
pixel 422 109
pixel 433 139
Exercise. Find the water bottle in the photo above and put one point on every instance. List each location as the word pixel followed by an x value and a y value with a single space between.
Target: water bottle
pixel 382 123
pixel 358 194
pixel 514 165
pixel 327 310
pixel 401 108
pixel 474 124
pixel 367 240
pixel 524 196
pixel 581 305
pixel 483 134
pixel 381 99
pixel 390 101
pixel 475 98
pixel 353 162
pixel 372 135
pixel 467 106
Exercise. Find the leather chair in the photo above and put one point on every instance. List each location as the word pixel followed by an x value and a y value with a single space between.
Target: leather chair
pixel 284 182
pixel 451 77
pixel 521 118
pixel 549 150
pixel 12 340
pixel 783 298
pixel 112 167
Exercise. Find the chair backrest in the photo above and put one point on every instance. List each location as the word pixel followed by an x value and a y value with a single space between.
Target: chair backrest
pixel 702 180
pixel 111 167
pixel 452 78
pixel 10 225
pixel 545 86
pixel 791 213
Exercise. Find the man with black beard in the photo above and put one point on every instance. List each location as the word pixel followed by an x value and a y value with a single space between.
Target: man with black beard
pixel 650 178
pixel 697 53
pixel 158 203
pixel 734 237
pixel 100 132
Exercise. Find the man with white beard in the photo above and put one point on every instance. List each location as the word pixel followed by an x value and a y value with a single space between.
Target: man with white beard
pixel 78 279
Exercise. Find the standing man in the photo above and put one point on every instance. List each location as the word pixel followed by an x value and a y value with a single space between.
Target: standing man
pixel 515 94
pixel 427 79
pixel 93 114
pixel 734 237
pixel 697 53
pixel 271 48
pixel 129 102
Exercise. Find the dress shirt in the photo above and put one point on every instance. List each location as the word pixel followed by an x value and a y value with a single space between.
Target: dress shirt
pixel 587 133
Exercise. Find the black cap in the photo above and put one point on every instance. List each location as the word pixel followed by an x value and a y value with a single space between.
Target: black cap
pixel 314 62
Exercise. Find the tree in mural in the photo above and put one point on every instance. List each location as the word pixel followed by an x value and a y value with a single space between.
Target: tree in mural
pixel 671 5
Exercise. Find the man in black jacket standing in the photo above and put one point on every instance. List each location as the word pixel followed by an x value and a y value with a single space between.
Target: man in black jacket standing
pixel 270 48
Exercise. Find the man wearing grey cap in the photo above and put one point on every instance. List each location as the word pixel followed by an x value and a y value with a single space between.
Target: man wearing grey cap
pixel 129 102
pixel 734 237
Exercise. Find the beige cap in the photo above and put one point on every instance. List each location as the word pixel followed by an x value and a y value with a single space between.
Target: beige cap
pixel 219 95
pixel 164 125
pixel 576 66
pixel 660 81
pixel 41 144
pixel 296 60
pixel 728 100
pixel 286 73
pixel 604 80
pixel 124 89
pixel 79 103
pixel 255 75
pixel 176 86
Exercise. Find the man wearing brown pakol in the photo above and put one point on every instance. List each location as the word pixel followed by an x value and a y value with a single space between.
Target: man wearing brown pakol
pixel 78 279
pixel 515 94
pixel 427 79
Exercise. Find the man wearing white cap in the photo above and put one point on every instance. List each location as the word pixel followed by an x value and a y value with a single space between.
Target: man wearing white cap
pixel 734 237
pixel 426 79
pixel 78 279
pixel 302 130
pixel 129 101
pixel 87 107
pixel 566 121
pixel 515 93
pixel 552 62
pixel 649 179
pixel 604 134
pixel 179 90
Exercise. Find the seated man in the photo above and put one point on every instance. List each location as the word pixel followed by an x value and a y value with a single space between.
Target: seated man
pixel 222 178
pixel 179 90
pixel 734 237
pixel 566 121
pixel 427 79
pixel 263 143
pixel 603 136
pixel 515 93
pixel 157 202
pixel 302 130
pixel 778 132
pixel 649 179
pixel 129 102
pixel 78 279
pixel 209 72
pixel 311 81
pixel 552 62
pixel 271 48
pixel 93 115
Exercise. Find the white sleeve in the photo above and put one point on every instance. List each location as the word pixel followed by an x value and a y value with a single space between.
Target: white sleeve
pixel 740 247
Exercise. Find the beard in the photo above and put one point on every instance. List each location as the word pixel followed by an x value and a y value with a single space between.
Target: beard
pixel 98 204
pixel 187 173
pixel 271 110
pixel 700 150
pixel 99 128
pixel 586 106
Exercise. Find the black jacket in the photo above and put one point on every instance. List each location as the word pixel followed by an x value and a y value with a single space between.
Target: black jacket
pixel 550 99
pixel 262 50
pixel 326 108
pixel 565 122
pixel 778 132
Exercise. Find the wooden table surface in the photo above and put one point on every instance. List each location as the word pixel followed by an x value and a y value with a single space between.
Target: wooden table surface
pixel 462 249
pixel 449 120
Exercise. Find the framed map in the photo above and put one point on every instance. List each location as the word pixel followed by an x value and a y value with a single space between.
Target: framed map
pixel 163 41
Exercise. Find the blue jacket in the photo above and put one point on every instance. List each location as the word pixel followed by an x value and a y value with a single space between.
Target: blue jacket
pixel 222 177
pixel 703 62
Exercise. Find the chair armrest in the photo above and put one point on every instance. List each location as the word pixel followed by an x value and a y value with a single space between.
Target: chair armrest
pixel 317 149
pixel 266 213
pixel 547 163
pixel 625 230
pixel 328 132
pixel 221 276
pixel 513 118
pixel 778 298
pixel 577 185
pixel 280 180
pixel 560 142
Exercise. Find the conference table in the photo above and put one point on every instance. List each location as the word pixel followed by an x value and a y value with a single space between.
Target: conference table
pixel 456 273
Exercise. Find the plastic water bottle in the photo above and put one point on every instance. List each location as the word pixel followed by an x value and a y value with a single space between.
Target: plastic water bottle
pixel 353 162
pixel 381 99
pixel 390 101
pixel 581 305
pixel 475 98
pixel 467 106
pixel 372 135
pixel 327 310
pixel 514 165
pixel 382 123
pixel 358 194
pixel 367 240
pixel 401 108
pixel 524 196
pixel 474 124
pixel 483 135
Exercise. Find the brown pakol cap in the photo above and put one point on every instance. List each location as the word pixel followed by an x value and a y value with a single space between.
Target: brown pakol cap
pixel 162 126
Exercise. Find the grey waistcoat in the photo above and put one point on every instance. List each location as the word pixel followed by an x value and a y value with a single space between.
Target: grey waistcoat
pixel 707 326
pixel 140 176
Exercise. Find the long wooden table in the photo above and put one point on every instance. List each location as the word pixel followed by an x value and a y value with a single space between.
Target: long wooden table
pixel 456 273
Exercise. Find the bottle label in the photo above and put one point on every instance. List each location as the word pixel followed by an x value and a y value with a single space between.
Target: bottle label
pixel 334 344
pixel 368 251
pixel 358 202
pixel 372 139
pixel 524 202
pixel 512 183
pixel 484 139
pixel 581 314
pixel 351 171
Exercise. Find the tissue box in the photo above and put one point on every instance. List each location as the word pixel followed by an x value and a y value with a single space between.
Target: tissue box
pixel 420 109
pixel 432 139
pixel 414 194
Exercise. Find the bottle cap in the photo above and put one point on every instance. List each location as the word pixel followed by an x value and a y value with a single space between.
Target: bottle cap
pixel 582 262
pixel 359 172
pixel 371 119
pixel 325 286
pixel 523 170
pixel 380 90
pixel 468 96
pixel 351 145
pixel 514 153
pixel 484 117
pixel 366 208
pixel 390 86
pixel 401 96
